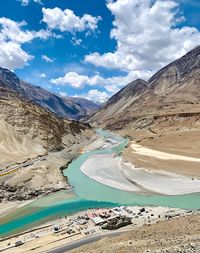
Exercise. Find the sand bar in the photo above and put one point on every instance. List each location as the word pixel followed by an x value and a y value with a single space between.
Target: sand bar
pixel 111 171
pixel 140 150
pixel 160 181
pixel 106 169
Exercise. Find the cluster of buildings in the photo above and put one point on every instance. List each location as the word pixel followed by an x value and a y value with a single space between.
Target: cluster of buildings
pixel 103 219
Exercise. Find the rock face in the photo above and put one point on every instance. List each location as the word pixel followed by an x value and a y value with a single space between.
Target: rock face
pixel 175 74
pixel 68 107
pixel 173 91
pixel 121 102
pixel 27 131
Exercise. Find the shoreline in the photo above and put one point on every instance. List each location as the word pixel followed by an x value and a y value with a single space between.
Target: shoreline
pixel 11 206
pixel 7 207
pixel 115 173
pixel 111 175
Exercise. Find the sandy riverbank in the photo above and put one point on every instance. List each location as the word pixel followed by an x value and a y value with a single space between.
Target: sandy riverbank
pixel 107 171
pixel 141 150
pixel 112 171
pixel 173 151
pixel 99 143
pixel 9 207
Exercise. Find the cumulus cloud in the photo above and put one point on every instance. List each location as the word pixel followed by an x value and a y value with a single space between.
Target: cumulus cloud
pixel 95 96
pixel 111 84
pixel 12 37
pixel 147 36
pixel 47 59
pixel 67 21
pixel 77 81
pixel 26 2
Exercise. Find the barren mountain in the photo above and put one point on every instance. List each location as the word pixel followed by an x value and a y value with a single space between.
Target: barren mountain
pixel 121 101
pixel 29 131
pixel 68 107
pixel 175 89
pixel 162 114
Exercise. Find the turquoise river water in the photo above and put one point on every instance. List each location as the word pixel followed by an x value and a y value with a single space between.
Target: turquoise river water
pixel 87 193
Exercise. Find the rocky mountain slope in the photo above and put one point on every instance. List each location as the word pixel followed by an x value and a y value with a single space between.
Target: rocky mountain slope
pixel 28 131
pixel 173 91
pixel 68 107
pixel 120 102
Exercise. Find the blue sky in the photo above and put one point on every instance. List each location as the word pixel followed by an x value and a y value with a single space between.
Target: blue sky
pixel 92 48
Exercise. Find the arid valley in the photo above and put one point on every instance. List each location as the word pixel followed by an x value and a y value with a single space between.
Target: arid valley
pixel 100 126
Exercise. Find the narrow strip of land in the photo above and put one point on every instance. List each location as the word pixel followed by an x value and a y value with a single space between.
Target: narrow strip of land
pixel 141 150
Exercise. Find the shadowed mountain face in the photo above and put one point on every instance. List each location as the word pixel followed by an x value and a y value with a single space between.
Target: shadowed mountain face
pixel 67 107
pixel 174 91
pixel 30 119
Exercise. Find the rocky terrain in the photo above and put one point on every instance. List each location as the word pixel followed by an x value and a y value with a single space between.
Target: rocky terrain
pixel 179 235
pixel 68 107
pixel 172 93
pixel 29 131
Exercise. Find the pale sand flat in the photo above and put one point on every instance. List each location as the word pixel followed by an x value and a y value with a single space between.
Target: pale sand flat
pixel 105 169
pixel 111 171
pixel 160 181
pixel 140 150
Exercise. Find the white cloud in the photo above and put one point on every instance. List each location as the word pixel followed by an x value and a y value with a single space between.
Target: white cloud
pixel 13 31
pixel 26 2
pixel 47 59
pixel 12 55
pixel 12 37
pixel 95 96
pixel 67 21
pixel 43 75
pixel 147 36
pixel 111 84
pixel 77 81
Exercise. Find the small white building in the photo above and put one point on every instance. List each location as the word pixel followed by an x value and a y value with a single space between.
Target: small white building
pixel 98 220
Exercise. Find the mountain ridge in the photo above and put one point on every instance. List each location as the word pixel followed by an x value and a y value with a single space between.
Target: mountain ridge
pixel 176 83
pixel 67 107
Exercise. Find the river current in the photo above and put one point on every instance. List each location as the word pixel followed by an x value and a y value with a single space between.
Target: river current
pixel 87 193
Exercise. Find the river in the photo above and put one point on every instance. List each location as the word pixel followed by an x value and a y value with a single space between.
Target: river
pixel 87 193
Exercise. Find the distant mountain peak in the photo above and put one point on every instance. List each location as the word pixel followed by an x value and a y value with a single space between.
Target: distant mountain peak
pixel 71 108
